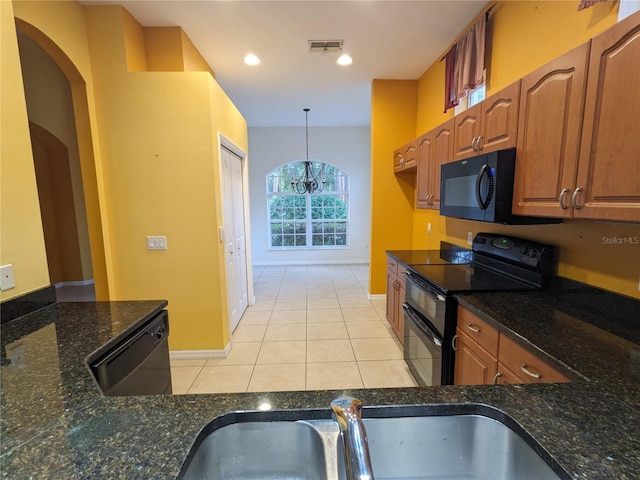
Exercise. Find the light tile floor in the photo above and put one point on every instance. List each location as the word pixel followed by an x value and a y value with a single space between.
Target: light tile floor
pixel 311 328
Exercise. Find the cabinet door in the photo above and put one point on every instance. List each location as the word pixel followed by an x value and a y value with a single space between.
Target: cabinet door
pixel 500 119
pixel 609 168
pixel 467 129
pixel 442 153
pixel 425 155
pixel 551 107
pixel 405 158
pixel 399 325
pixel 392 280
pixel 473 364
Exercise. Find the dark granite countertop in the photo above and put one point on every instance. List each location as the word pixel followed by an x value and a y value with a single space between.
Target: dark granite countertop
pixel 57 424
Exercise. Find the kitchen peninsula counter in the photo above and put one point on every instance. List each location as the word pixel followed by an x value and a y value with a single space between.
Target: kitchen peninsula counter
pixel 57 424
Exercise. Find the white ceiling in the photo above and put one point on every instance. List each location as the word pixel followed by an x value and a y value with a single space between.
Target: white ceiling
pixel 387 40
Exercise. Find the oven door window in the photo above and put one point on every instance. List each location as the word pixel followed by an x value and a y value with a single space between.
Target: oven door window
pixel 422 350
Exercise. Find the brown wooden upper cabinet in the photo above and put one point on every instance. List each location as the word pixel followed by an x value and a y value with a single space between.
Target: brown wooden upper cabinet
pixel 405 158
pixel 578 152
pixel 488 126
pixel 608 181
pixel 434 148
pixel 551 107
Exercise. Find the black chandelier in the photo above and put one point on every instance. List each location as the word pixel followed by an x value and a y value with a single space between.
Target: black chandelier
pixel 308 182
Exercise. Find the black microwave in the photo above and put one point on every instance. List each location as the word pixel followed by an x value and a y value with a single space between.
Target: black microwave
pixel 481 188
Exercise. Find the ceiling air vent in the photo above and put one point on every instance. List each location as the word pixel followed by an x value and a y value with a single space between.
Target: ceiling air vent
pixel 320 46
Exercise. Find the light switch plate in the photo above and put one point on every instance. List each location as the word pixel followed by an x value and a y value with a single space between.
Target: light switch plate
pixel 470 238
pixel 157 242
pixel 7 279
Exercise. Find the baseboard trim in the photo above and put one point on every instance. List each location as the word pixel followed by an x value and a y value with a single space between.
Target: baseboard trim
pixel 376 296
pixel 200 354
pixel 276 263
pixel 75 283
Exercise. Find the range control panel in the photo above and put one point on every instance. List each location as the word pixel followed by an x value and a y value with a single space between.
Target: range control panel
pixel 518 251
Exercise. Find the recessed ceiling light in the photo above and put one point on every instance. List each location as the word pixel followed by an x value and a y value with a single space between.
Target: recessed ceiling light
pixel 251 59
pixel 344 60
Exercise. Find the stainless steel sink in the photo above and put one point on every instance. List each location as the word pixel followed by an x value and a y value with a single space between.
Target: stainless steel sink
pixel 268 450
pixel 416 442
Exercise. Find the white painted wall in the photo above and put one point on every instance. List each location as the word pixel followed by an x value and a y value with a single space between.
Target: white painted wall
pixel 349 149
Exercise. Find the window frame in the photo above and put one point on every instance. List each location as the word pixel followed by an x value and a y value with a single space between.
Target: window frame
pixel 309 221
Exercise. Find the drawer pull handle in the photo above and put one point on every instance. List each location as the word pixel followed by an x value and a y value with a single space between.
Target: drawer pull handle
pixel 496 377
pixel 453 343
pixel 473 328
pixel 524 368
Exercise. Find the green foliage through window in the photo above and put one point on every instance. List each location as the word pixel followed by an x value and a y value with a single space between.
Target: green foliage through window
pixel 304 220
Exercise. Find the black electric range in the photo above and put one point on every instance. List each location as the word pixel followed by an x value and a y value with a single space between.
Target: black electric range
pixel 495 263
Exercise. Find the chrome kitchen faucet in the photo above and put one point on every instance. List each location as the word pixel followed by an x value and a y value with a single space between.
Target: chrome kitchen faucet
pixel 347 412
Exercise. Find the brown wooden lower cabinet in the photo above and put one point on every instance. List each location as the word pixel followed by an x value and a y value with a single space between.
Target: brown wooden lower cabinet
pixel 486 356
pixel 526 365
pixel 474 365
pixel 395 297
pixel 504 376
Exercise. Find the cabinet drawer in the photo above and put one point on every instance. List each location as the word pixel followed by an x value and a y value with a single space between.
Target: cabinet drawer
pixel 479 330
pixel 526 365
pixel 401 271
pixel 392 265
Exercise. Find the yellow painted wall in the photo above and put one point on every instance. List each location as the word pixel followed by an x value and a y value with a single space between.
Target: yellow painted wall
pixel 525 36
pixel 393 123
pixel 158 131
pixel 60 29
pixel 21 237
pixel 169 49
pixel 50 106
pixel 156 168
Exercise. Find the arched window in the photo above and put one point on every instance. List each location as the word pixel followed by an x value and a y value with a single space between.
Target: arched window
pixel 319 220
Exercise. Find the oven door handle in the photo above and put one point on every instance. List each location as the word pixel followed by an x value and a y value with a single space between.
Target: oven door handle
pixel 422 328
pixel 424 287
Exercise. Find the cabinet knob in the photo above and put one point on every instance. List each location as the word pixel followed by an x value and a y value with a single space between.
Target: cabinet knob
pixel 496 377
pixel 561 198
pixel 473 144
pixel 479 143
pixel 453 343
pixel 574 198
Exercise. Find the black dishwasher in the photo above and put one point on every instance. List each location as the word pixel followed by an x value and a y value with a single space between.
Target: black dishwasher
pixel 139 363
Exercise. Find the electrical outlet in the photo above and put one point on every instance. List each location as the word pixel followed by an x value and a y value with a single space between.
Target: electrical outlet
pixel 7 279
pixel 470 238
pixel 429 228
pixel 157 243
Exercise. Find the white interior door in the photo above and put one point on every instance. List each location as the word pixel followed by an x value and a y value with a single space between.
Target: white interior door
pixel 234 236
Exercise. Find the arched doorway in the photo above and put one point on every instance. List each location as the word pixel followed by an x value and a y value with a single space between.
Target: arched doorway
pixel 89 250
